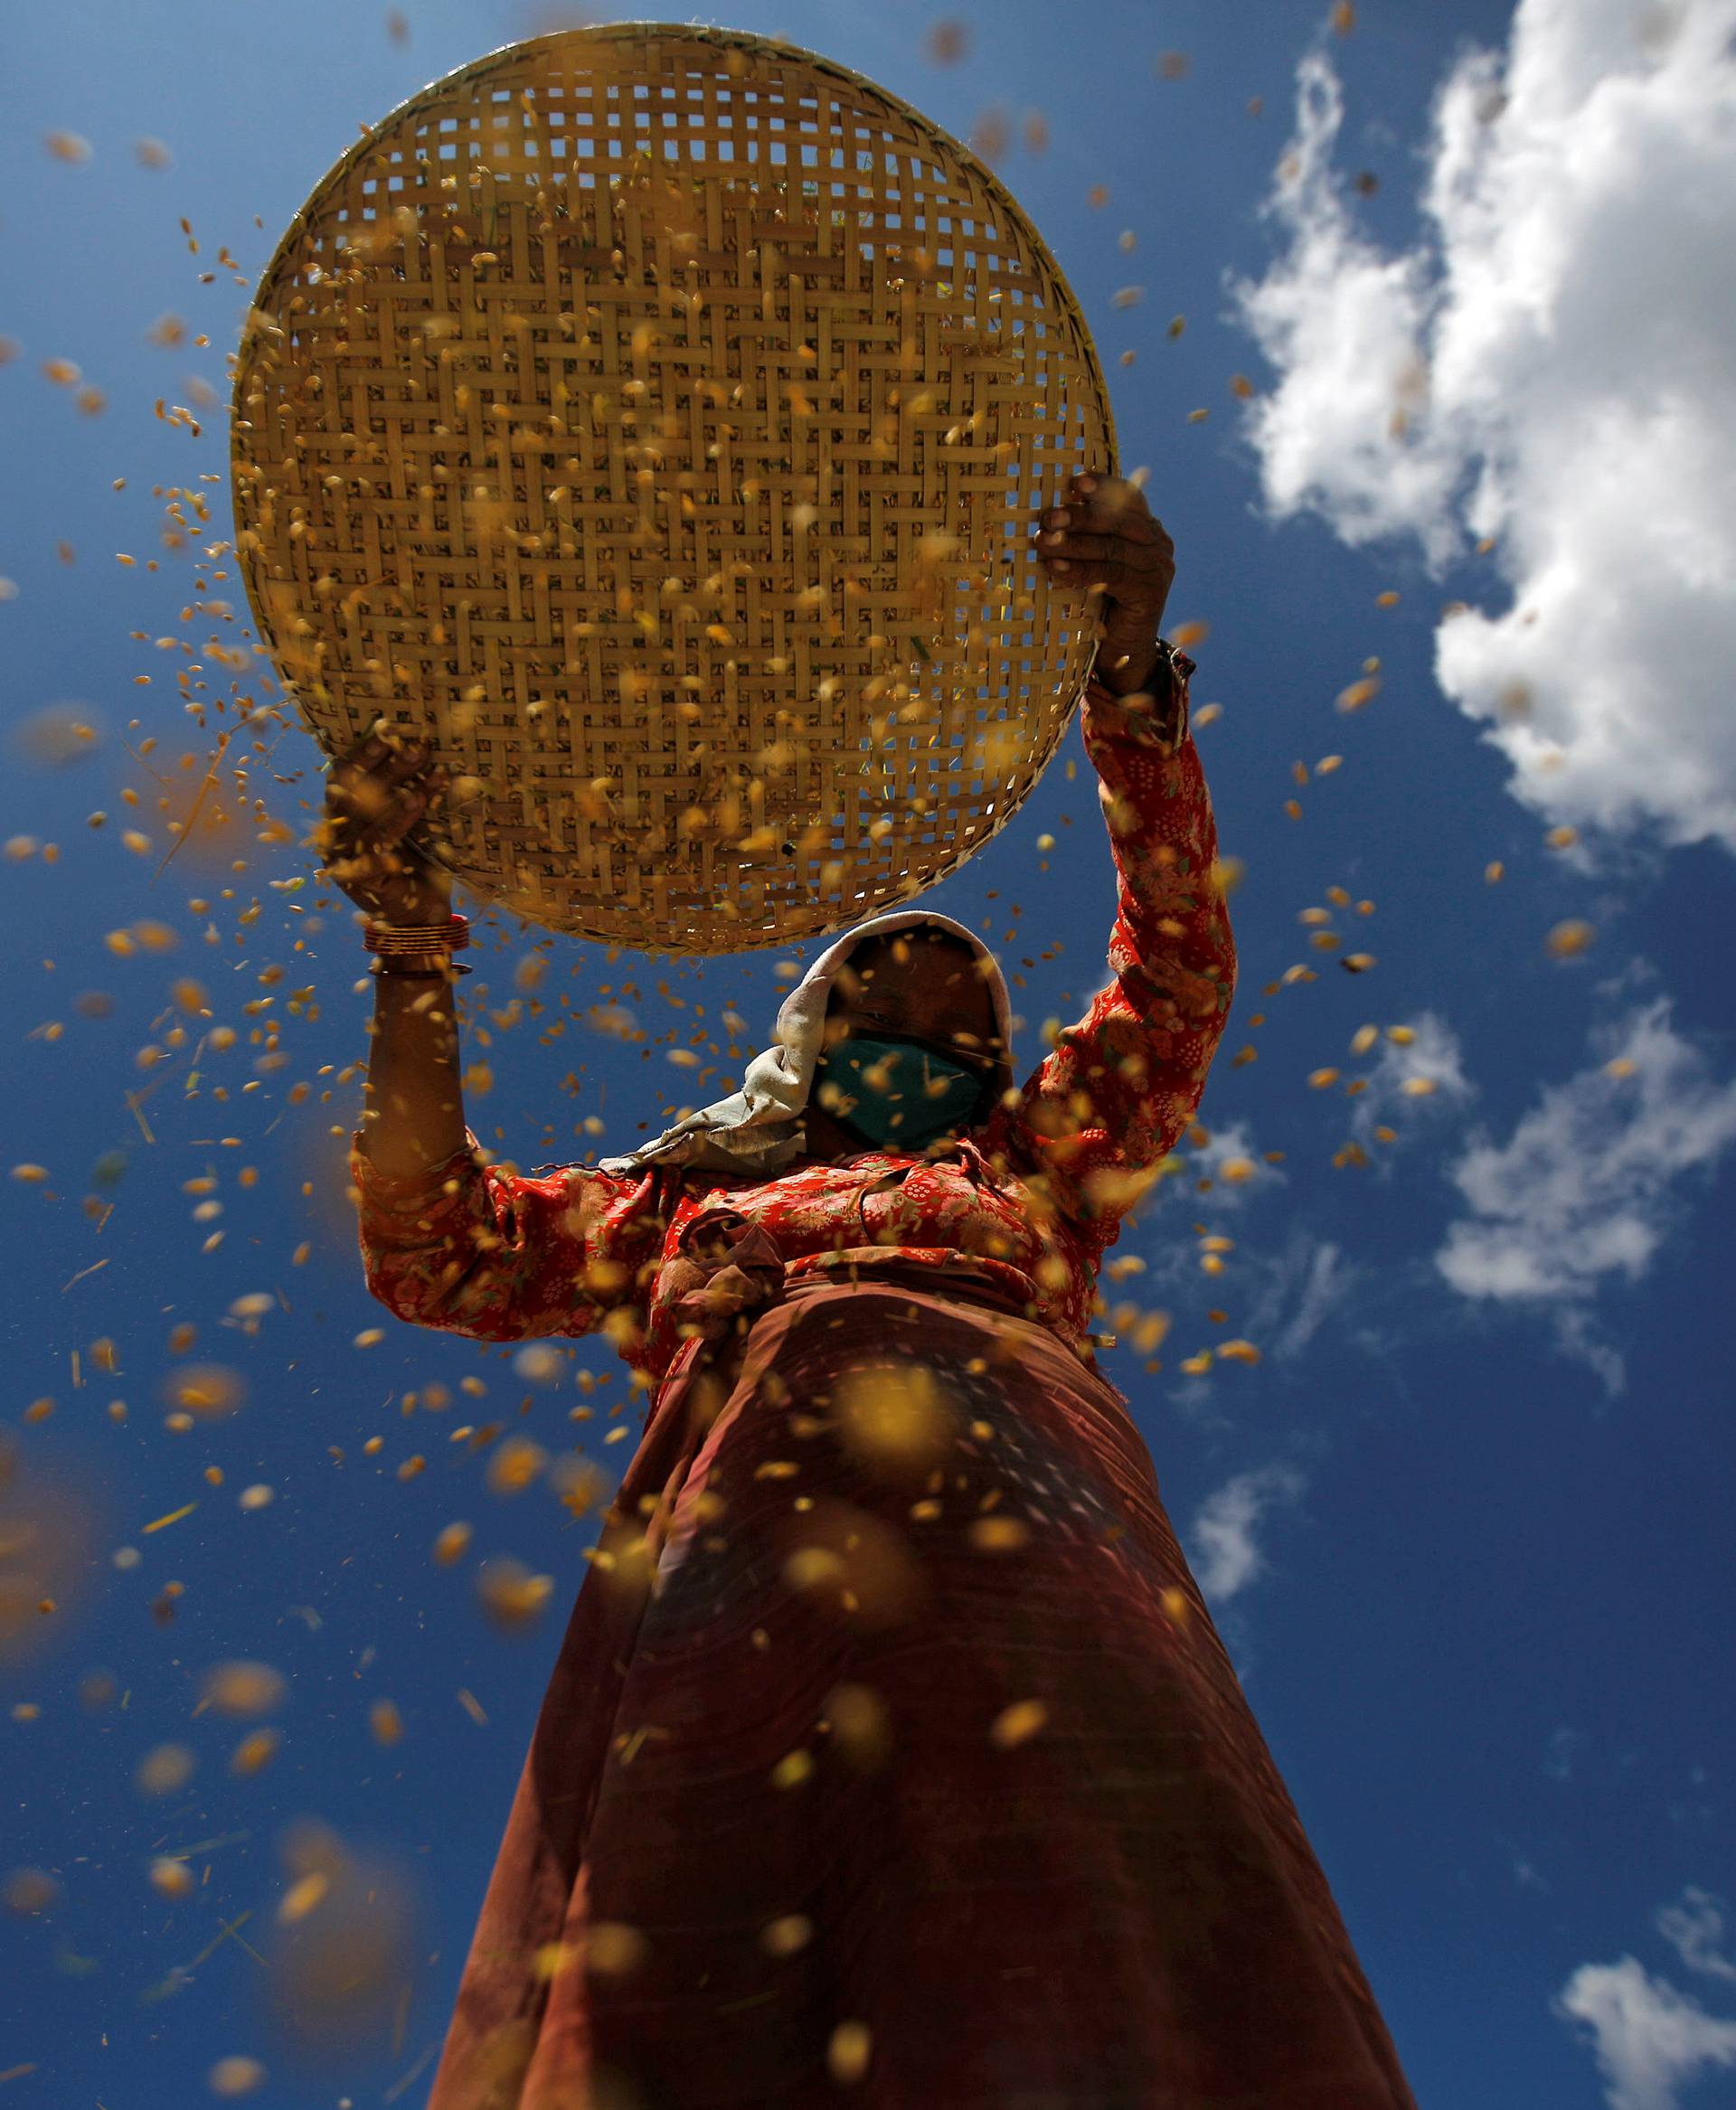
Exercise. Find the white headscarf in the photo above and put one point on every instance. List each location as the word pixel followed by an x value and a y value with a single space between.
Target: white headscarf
pixel 759 1129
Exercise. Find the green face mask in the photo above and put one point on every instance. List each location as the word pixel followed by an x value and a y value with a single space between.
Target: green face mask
pixel 896 1107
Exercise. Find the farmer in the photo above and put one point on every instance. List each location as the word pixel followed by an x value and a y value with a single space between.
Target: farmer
pixel 891 1757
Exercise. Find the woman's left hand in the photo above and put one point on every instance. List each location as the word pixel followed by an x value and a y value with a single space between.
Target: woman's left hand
pixel 1103 541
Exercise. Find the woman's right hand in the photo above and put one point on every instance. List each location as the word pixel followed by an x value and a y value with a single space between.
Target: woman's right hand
pixel 374 795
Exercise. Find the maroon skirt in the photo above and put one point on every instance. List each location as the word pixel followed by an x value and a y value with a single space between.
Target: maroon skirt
pixel 891 1758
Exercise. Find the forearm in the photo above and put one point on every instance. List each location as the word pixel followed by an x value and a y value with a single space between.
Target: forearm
pixel 1119 1085
pixel 1159 810
pixel 414 1109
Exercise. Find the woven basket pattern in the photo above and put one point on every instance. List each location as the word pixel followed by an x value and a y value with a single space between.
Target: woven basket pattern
pixel 655 419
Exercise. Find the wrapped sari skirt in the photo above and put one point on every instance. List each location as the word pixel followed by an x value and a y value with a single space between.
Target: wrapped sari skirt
pixel 891 1758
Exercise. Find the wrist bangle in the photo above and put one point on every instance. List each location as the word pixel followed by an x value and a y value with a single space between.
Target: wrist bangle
pixel 1167 714
pixel 399 938
pixel 410 969
pixel 1164 677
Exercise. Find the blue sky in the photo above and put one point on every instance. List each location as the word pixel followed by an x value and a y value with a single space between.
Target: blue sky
pixel 1465 1524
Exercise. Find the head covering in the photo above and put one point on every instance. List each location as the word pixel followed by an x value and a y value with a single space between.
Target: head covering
pixel 758 1130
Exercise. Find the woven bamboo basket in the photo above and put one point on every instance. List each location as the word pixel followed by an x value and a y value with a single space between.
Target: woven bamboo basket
pixel 655 418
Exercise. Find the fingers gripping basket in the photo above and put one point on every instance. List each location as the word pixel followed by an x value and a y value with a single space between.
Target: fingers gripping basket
pixel 655 418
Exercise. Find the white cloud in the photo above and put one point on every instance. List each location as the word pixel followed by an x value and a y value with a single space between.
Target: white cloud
pixel 1327 1282
pixel 1582 1189
pixel 1395 1096
pixel 1562 1746
pixel 1553 365
pixel 1308 1277
pixel 1226 1559
pixel 1311 1273
pixel 1649 2037
pixel 1694 1928
pixel 1577 1336
pixel 1234 1145
pixel 1344 326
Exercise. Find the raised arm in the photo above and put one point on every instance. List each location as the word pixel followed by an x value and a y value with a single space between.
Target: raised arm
pixel 1115 1094
pixel 448 1241
pixel 1110 1102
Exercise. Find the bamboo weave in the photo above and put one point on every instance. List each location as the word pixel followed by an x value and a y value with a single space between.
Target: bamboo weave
pixel 654 418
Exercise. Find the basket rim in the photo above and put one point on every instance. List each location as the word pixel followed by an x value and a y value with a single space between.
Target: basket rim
pixel 723 39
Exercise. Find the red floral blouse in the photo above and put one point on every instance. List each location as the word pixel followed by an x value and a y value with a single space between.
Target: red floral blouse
pixel 1033 1195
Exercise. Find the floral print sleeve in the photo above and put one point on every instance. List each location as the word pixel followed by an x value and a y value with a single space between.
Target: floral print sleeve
pixel 1119 1089
pixel 502 1255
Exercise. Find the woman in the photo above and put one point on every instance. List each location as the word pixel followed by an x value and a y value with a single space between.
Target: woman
pixel 890 1755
